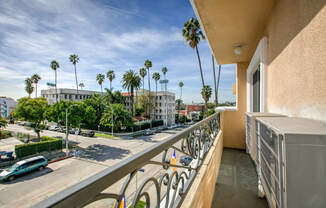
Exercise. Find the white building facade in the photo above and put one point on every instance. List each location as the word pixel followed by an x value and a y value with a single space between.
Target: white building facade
pixel 164 108
pixel 7 105
pixel 66 94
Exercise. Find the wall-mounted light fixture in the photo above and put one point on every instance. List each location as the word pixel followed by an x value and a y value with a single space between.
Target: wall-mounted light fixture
pixel 238 49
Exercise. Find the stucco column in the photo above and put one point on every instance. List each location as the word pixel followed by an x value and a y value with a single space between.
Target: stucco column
pixel 233 122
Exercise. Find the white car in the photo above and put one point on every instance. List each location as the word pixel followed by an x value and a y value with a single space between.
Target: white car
pixel 53 128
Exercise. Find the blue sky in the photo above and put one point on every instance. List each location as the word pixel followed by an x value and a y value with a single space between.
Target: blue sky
pixel 118 35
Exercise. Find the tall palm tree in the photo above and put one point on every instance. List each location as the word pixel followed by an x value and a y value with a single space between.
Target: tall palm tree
pixel 130 81
pixel 143 73
pixel 206 93
pixel 81 85
pixel 218 81
pixel 29 86
pixel 111 76
pixel 55 65
pixel 148 64
pixel 74 60
pixel 36 78
pixel 180 85
pixel 192 33
pixel 214 80
pixel 156 77
pixel 100 79
pixel 164 71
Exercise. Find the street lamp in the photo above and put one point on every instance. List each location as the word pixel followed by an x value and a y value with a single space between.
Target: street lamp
pixel 67 130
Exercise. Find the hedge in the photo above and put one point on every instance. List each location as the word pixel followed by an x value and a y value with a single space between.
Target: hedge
pixel 46 144
pixel 5 134
pixel 146 125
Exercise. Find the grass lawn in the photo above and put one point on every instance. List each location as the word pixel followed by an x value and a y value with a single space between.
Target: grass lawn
pixel 140 204
pixel 105 136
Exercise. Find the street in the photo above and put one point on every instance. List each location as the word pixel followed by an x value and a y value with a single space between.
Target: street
pixel 97 154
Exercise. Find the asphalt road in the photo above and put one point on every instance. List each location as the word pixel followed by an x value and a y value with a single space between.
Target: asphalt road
pixel 98 154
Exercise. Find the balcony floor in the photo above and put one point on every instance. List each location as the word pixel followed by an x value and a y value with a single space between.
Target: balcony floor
pixel 236 185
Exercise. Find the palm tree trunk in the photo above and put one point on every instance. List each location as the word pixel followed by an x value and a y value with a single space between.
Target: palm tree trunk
pixel 201 74
pixel 218 81
pixel 35 90
pixel 101 90
pixel 155 100
pixel 214 80
pixel 76 78
pixel 110 85
pixel 143 85
pixel 132 100
pixel 56 88
pixel 149 96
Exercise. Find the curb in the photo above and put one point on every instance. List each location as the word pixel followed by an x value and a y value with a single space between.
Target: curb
pixel 63 158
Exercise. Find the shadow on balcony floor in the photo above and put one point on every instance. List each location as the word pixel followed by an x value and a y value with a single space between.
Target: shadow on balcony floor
pixel 236 184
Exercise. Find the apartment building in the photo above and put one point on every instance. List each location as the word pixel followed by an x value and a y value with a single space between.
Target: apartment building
pixel 164 105
pixel 7 105
pixel 66 94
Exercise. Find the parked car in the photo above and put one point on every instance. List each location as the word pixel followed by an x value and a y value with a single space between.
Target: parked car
pixel 22 123
pixel 185 160
pixel 53 128
pixel 87 133
pixel 148 132
pixel 165 128
pixel 72 131
pixel 23 167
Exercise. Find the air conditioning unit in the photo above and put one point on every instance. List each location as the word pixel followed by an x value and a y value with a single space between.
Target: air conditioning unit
pixel 251 141
pixel 292 161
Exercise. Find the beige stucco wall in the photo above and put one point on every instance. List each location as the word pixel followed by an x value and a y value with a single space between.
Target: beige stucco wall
pixel 233 125
pixel 202 190
pixel 296 77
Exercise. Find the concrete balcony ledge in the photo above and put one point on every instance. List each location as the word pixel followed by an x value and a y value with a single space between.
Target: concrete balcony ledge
pixel 226 108
pixel 202 189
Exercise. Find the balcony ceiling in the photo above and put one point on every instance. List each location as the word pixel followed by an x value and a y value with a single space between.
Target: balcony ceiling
pixel 228 23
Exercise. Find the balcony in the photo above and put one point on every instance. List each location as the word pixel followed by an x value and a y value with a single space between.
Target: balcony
pixel 171 185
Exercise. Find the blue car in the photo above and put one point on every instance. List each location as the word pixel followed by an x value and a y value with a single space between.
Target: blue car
pixel 185 160
pixel 23 167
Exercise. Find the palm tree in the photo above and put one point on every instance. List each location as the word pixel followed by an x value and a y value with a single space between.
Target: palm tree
pixel 156 77
pixel 36 78
pixel 100 79
pixel 180 85
pixel 130 81
pixel 74 60
pixel 81 85
pixel 164 71
pixel 218 81
pixel 192 33
pixel 214 80
pixel 110 75
pixel 148 64
pixel 29 86
pixel 143 73
pixel 55 65
pixel 206 93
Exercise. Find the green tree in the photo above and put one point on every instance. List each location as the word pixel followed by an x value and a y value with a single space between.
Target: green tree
pixel 29 86
pixel 143 102
pixel 130 79
pixel 3 123
pixel 54 66
pixel 121 117
pixel 100 79
pixel 36 78
pixel 73 58
pixel 148 65
pixel 98 103
pixel 192 33
pixel 143 73
pixel 111 76
pixel 156 77
pixel 81 85
pixel 32 110
pixel 206 93
pixel 178 101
